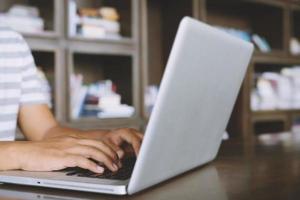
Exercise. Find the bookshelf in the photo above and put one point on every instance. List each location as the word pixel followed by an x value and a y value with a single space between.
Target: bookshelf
pixel 97 67
pixel 60 54
pixel 245 15
pixel 99 59
pixel 277 21
pixel 158 32
pixel 137 59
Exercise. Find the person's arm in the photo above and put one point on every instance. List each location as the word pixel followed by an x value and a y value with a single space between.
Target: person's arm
pixel 8 160
pixel 53 147
pixel 68 146
pixel 38 123
pixel 52 155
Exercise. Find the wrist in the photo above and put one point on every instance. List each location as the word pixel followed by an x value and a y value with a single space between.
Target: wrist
pixel 97 134
pixel 10 156
pixel 60 131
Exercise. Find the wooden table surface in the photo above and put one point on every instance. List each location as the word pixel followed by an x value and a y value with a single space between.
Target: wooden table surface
pixel 269 169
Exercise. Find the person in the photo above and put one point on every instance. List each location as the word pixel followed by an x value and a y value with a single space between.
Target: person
pixel 49 146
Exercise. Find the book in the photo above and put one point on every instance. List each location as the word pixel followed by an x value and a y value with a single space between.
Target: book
pixel 99 99
pixel 108 26
pixel 24 11
pixel 151 94
pixel 89 31
pixel 261 43
pixel 24 19
pixel 277 90
pixel 78 94
pixel 294 46
pixel 72 17
pixel 95 23
pixel 23 24
pixel 121 111
pixel 109 13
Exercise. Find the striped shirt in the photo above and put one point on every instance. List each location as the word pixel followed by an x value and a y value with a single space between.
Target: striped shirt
pixel 19 83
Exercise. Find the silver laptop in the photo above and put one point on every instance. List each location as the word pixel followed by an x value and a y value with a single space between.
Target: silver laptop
pixel 209 187
pixel 199 88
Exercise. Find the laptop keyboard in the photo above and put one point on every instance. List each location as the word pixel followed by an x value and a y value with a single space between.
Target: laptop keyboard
pixel 123 173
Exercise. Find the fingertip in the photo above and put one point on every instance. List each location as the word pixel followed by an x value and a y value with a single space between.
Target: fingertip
pixel 120 164
pixel 100 169
pixel 136 150
pixel 120 153
pixel 115 167
pixel 140 135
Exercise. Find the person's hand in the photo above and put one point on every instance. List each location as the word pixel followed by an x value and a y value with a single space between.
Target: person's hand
pixel 63 152
pixel 122 140
pixel 119 139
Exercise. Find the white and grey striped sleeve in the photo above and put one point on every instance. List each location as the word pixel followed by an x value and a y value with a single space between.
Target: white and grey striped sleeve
pixel 31 85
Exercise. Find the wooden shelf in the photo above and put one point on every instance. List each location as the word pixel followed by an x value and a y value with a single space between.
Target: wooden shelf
pixel 260 17
pixel 54 50
pixel 273 112
pixel 45 35
pixel 97 67
pixel 268 18
pixel 123 40
pixel 148 30
pixel 273 53
pixel 106 47
pixel 160 22
pixel 276 59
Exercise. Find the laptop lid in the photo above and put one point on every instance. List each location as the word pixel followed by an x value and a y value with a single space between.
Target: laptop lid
pixel 201 82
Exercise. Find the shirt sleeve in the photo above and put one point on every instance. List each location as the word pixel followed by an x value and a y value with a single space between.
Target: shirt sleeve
pixel 31 86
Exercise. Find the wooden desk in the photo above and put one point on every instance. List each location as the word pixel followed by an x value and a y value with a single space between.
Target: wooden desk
pixel 241 172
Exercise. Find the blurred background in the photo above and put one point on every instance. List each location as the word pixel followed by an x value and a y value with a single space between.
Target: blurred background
pixel 102 61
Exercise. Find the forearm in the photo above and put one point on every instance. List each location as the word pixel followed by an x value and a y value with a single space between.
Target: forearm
pixel 9 159
pixel 60 131
pixel 38 123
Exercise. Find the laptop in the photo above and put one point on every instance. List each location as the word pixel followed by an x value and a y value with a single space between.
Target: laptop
pixel 209 186
pixel 201 82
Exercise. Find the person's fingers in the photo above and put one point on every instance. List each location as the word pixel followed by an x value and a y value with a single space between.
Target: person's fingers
pixel 116 148
pixel 137 133
pixel 140 135
pixel 132 139
pixel 114 137
pixel 95 154
pixel 82 162
pixel 109 150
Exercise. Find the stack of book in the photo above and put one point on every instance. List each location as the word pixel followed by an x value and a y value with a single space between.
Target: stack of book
pixel 150 97
pixel 98 23
pixel 24 19
pixel 295 46
pixel 277 91
pixel 99 99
